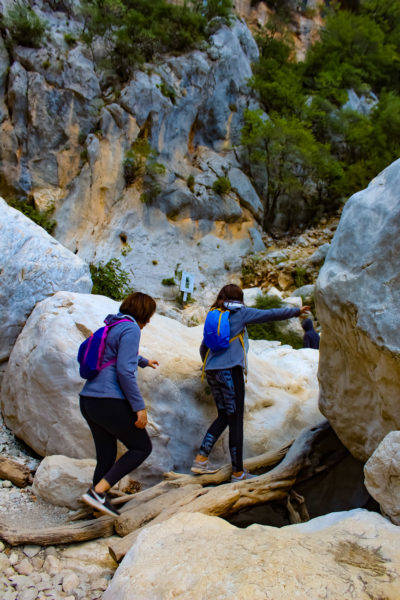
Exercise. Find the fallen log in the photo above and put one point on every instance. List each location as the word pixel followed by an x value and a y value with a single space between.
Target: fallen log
pixel 254 464
pixel 136 516
pixel 226 500
pixel 60 534
pixel 15 472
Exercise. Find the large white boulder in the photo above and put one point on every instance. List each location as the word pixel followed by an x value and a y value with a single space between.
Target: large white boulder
pixel 358 304
pixel 33 266
pixel 40 388
pixel 354 555
pixel 62 480
pixel 382 475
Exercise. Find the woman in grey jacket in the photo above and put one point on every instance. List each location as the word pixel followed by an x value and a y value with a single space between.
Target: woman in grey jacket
pixel 224 372
pixel 112 403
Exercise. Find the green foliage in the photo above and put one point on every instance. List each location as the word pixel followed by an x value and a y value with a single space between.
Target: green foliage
pixel 69 39
pixel 126 249
pixel 167 91
pixel 42 218
pixel 352 51
pixel 276 77
pixel 297 164
pixel 24 26
pixel 190 183
pixel 300 277
pixel 271 331
pixel 109 279
pixel 168 281
pixel 136 31
pixel 316 153
pixel 140 161
pixel 221 186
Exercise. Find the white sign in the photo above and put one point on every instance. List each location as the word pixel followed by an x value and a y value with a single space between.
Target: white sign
pixel 187 284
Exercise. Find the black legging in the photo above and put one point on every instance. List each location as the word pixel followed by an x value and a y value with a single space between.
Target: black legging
pixel 112 419
pixel 234 421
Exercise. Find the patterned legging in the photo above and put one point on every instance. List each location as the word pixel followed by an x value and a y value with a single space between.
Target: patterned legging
pixel 227 387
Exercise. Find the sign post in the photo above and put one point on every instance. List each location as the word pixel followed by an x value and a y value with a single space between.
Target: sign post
pixel 187 284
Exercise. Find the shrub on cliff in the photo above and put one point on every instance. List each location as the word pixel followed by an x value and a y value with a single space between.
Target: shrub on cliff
pixel 41 218
pixel 221 186
pixel 109 279
pixel 24 26
pixel 135 31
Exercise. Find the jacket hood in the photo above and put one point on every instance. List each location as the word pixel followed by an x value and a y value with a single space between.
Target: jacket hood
pixel 113 318
pixel 307 325
pixel 233 305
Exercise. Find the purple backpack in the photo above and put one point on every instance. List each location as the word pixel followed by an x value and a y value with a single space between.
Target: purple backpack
pixel 91 351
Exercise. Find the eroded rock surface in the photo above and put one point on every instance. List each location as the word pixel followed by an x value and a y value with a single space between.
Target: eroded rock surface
pixel 358 299
pixel 353 555
pixel 33 266
pixel 382 475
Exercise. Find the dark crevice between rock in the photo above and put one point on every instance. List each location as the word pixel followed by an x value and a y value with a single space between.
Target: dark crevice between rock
pixel 333 481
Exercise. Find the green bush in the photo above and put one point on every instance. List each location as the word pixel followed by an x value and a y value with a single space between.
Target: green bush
pixel 221 186
pixel 40 218
pixel 141 161
pixel 69 39
pixel 138 30
pixel 168 281
pixel 315 153
pixel 271 331
pixel 24 26
pixel 190 183
pixel 133 166
pixel 109 279
pixel 167 91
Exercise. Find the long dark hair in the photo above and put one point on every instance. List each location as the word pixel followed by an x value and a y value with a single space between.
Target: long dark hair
pixel 227 293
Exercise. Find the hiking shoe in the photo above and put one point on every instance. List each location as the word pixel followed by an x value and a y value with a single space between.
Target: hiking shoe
pixel 100 502
pixel 201 467
pixel 242 477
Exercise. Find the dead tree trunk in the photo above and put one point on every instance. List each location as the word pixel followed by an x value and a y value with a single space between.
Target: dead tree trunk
pixel 187 493
pixel 223 500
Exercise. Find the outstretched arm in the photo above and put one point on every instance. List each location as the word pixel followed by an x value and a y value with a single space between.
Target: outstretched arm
pixel 255 315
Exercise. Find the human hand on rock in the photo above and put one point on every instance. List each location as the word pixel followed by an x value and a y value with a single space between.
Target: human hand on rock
pixel 153 363
pixel 305 309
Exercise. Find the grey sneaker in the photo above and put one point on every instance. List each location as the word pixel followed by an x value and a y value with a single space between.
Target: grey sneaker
pixel 201 467
pixel 243 476
pixel 100 502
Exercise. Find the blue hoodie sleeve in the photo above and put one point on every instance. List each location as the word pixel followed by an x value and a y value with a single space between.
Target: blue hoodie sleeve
pixel 142 361
pixel 255 315
pixel 127 363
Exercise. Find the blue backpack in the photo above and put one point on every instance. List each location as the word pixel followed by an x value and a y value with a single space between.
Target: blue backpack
pixel 91 351
pixel 217 334
pixel 217 330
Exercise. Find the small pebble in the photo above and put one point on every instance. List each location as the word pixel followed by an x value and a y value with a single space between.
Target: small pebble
pixel 13 558
pixel 31 550
pixel 24 567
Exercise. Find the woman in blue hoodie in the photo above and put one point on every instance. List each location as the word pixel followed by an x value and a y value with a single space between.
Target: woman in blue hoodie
pixel 112 403
pixel 224 372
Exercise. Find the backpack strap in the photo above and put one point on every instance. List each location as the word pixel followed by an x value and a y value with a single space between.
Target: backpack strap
pixel 102 347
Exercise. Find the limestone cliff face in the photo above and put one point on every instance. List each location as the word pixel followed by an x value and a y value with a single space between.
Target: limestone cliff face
pixel 65 137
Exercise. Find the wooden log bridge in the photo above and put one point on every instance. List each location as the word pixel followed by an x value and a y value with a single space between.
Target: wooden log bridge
pixel 187 493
